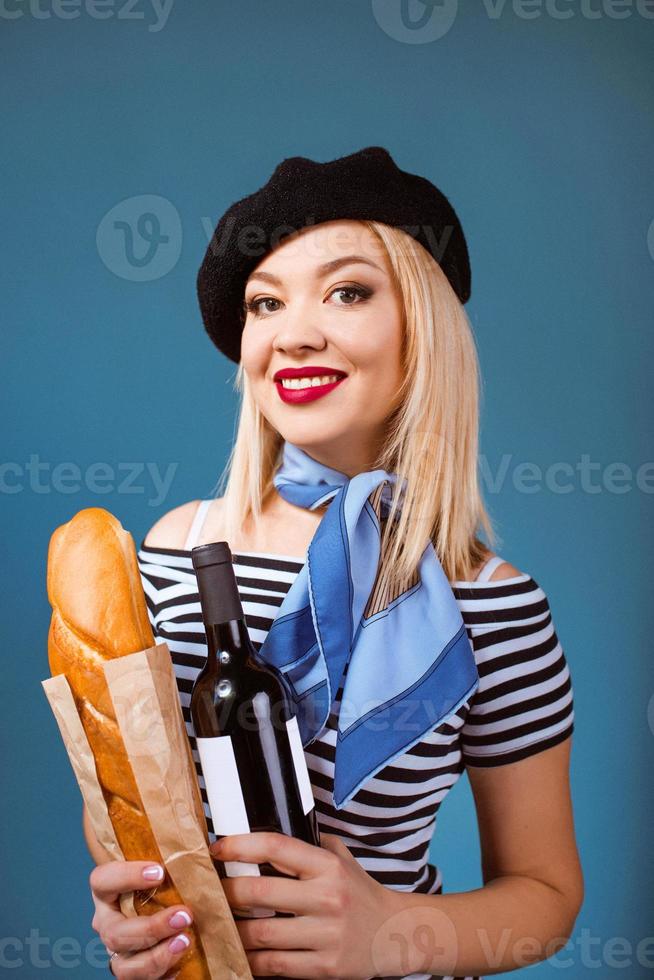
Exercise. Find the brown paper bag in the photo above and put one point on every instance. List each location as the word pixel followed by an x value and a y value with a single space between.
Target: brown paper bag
pixel 61 700
pixel 144 694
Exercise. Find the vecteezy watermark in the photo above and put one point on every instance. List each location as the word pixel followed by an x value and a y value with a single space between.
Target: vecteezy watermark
pixel 43 953
pixel 424 21
pixel 68 477
pixel 650 239
pixel 415 21
pixel 582 475
pixel 562 476
pixel 410 941
pixel 616 952
pixel 254 240
pixel 140 238
pixel 156 11
pixel 423 939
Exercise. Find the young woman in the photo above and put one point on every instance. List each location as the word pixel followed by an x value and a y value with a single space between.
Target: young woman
pixel 367 309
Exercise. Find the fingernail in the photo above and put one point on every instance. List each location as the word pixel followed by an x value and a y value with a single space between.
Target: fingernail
pixel 179 920
pixel 179 943
pixel 154 872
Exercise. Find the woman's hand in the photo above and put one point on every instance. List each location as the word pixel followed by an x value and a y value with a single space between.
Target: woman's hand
pixel 339 909
pixel 143 942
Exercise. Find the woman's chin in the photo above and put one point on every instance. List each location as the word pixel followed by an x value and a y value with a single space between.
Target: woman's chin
pixel 306 438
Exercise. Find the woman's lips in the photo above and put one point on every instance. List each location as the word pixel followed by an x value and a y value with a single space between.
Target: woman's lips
pixel 297 396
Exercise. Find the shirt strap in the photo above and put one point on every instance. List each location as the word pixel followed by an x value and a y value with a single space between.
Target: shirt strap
pixel 196 525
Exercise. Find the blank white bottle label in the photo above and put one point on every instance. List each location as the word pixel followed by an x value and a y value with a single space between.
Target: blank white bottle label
pixel 300 763
pixel 228 813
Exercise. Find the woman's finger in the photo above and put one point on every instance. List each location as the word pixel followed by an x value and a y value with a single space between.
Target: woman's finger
pixel 304 932
pixel 286 963
pixel 269 892
pixel 109 881
pixel 155 962
pixel 127 934
pixel 287 854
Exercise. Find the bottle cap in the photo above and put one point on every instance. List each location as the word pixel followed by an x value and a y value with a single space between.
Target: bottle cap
pixel 214 553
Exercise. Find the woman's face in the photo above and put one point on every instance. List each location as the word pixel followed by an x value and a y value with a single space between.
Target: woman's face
pixel 326 299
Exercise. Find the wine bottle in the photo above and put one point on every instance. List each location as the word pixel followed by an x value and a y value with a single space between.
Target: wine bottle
pixel 247 735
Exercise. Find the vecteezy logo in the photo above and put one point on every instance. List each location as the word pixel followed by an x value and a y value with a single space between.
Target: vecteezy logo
pixel 140 238
pixel 412 939
pixel 415 21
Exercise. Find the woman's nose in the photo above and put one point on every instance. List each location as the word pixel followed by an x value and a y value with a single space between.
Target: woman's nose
pixel 297 330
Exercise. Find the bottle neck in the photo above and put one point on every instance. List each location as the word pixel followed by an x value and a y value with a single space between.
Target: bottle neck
pixel 228 643
pixel 219 597
pixel 228 646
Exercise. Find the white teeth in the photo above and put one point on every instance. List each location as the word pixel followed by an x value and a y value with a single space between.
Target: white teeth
pixel 309 382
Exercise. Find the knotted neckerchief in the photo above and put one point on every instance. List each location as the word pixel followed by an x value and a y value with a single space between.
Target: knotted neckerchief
pixel 407 659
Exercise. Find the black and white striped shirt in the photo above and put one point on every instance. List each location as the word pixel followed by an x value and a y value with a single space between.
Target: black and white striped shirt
pixel 523 705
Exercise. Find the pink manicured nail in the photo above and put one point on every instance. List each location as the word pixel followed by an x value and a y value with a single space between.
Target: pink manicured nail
pixel 179 943
pixel 154 872
pixel 179 920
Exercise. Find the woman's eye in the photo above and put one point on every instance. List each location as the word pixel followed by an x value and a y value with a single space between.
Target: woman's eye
pixel 253 306
pixel 353 291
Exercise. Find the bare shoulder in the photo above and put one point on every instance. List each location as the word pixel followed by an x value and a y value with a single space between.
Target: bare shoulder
pixel 172 528
pixel 505 570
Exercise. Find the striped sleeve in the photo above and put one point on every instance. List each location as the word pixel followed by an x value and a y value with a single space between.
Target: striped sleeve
pixel 524 702
pixel 149 591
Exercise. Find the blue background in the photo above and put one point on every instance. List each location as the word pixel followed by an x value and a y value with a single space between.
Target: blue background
pixel 539 129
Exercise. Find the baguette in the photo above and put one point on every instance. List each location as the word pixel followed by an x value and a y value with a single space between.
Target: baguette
pixel 99 613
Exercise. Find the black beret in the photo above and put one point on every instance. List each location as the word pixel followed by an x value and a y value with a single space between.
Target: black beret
pixel 367 185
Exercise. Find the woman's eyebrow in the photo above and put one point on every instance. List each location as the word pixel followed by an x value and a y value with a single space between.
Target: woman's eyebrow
pixel 321 270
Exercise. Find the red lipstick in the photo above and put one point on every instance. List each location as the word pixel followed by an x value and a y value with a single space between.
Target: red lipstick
pixel 296 396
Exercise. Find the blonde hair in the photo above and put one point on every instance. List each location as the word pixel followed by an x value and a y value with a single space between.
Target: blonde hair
pixel 432 433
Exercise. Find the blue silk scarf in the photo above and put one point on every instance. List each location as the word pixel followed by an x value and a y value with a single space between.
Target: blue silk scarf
pixel 407 659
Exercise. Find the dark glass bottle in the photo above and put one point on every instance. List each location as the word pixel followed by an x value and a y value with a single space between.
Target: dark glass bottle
pixel 247 736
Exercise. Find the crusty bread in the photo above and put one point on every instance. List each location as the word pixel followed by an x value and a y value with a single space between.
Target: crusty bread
pixel 99 613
